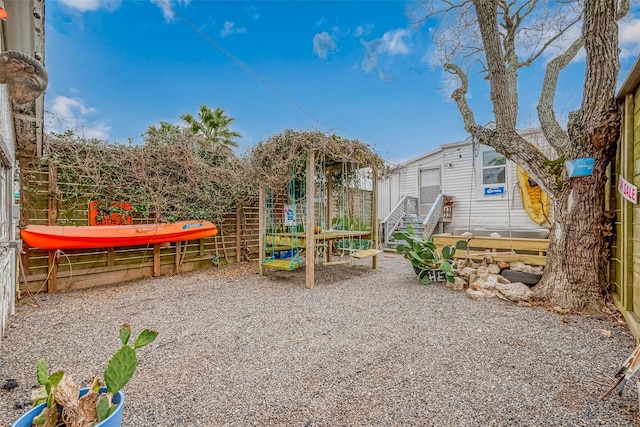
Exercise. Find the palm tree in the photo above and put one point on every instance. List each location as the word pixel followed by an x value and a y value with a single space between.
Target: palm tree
pixel 212 127
pixel 164 128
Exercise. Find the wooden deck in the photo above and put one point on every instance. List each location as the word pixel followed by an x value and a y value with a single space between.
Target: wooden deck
pixel 528 251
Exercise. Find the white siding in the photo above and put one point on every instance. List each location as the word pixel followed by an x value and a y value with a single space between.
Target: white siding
pixel 6 124
pixel 410 173
pixel 388 195
pixel 473 209
pixel 460 179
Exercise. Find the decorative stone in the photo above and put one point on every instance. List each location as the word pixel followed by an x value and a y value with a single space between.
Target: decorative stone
pixel 483 270
pixel 459 285
pixel 477 295
pixel 502 279
pixel 521 266
pixel 472 278
pixel 488 292
pixel 514 291
pixel 494 269
pixel 515 276
pixel 467 272
pixel 502 265
pixel 486 281
pixel 487 259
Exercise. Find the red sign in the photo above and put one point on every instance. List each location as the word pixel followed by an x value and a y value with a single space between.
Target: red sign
pixel 628 190
pixel 114 214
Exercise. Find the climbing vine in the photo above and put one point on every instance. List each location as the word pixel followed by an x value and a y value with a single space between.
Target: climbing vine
pixel 170 177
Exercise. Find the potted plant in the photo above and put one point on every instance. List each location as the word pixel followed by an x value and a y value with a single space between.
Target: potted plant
pixel 60 402
pixel 429 264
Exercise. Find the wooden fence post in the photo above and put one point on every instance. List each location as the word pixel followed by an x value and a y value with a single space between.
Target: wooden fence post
pixel 52 215
pixel 262 209
pixel 309 232
pixel 177 263
pixel 238 232
pixel 156 260
pixel 374 220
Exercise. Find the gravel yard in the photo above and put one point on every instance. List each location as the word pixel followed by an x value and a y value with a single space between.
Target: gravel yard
pixel 363 347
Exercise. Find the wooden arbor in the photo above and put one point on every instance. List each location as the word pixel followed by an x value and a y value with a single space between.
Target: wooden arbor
pixel 316 226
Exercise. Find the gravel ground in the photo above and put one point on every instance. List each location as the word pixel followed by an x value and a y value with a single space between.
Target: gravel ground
pixel 363 347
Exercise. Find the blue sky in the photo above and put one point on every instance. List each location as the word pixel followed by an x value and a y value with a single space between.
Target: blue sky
pixel 356 68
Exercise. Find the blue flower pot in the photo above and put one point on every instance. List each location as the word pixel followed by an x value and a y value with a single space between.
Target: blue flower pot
pixel 114 420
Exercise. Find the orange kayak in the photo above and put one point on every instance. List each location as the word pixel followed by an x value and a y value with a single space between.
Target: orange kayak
pixel 106 236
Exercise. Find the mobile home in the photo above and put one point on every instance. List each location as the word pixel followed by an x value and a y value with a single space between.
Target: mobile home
pixel 467 187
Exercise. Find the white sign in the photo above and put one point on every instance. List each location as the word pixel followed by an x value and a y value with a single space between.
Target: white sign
pixel 628 190
pixel 289 216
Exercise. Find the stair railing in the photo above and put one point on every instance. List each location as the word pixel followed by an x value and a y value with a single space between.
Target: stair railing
pixel 406 206
pixel 433 217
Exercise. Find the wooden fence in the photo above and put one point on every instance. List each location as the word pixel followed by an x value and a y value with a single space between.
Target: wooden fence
pixel 83 268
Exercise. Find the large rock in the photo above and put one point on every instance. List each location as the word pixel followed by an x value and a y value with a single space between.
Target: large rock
pixel 514 291
pixel 459 285
pixel 489 269
pixel 521 266
pixel 515 276
pixel 467 272
pixel 488 281
pixel 473 294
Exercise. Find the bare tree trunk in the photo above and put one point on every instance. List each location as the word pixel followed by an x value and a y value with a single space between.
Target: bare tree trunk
pixel 579 244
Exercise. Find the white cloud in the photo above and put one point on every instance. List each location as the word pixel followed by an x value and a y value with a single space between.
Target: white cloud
pixel 629 37
pixel 65 106
pixel 370 60
pixel 323 44
pixel 252 11
pixel 167 7
pixel 391 43
pixel 92 5
pixel 362 31
pixel 71 113
pixel 230 28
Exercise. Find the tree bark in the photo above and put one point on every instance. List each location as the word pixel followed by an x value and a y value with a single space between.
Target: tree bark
pixel 578 243
pixel 574 276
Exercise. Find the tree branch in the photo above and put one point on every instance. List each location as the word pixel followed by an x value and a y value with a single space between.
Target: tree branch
pixel 505 101
pixel 548 43
pixel 552 130
pixel 460 97
pixel 623 9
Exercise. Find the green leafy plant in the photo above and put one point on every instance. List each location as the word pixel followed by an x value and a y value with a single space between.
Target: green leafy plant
pixel 424 255
pixel 58 391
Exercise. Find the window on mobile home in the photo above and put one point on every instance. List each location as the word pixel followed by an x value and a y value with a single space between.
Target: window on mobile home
pixel 493 169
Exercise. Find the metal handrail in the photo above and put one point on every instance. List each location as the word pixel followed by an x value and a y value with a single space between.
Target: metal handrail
pixel 406 205
pixel 434 215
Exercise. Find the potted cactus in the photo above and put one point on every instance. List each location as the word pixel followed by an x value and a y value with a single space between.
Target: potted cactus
pixel 60 402
pixel 429 264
